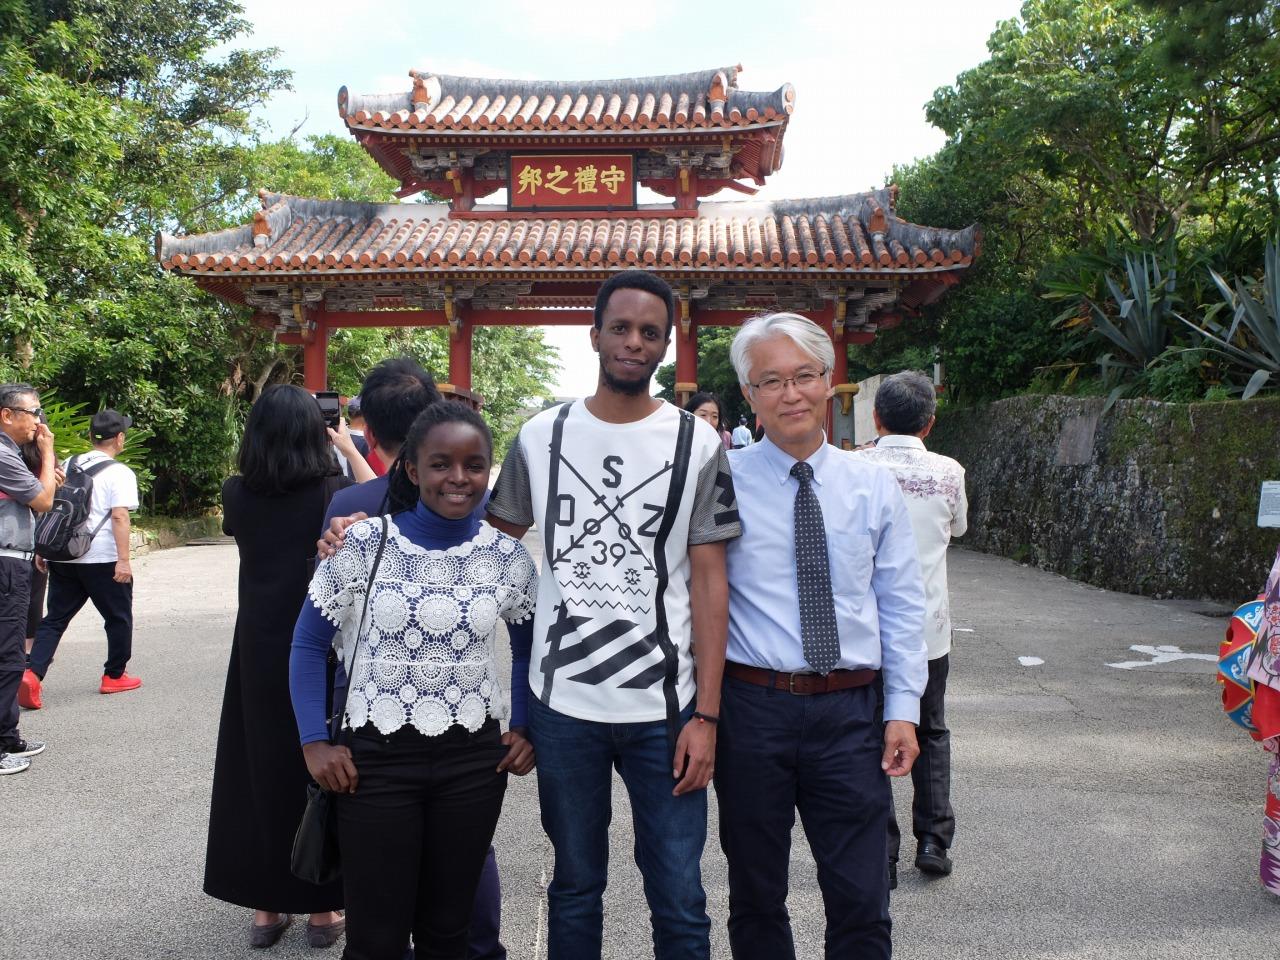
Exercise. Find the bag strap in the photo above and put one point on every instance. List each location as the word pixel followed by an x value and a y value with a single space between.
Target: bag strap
pixel 335 722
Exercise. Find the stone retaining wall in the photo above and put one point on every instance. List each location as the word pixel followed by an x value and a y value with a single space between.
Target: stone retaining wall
pixel 1154 498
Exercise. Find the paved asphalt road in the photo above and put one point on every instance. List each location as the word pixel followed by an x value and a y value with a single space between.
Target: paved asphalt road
pixel 1103 812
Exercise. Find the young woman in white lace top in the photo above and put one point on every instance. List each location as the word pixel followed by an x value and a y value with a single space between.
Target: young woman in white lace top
pixel 421 766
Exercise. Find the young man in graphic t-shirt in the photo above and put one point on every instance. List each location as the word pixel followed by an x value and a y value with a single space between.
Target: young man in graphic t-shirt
pixel 633 501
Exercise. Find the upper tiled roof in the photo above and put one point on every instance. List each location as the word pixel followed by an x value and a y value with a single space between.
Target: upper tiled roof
pixel 708 99
pixel 850 233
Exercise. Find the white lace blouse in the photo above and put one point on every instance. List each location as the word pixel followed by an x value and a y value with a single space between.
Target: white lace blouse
pixel 426 656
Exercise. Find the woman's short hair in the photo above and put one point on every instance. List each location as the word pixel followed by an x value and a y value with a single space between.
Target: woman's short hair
pixel 702 398
pixel 802 331
pixel 285 442
pixel 905 402
pixel 402 493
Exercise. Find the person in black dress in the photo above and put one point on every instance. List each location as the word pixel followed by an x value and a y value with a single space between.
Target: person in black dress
pixel 273 508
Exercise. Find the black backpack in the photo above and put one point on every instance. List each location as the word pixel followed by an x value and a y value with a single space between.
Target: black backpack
pixel 63 533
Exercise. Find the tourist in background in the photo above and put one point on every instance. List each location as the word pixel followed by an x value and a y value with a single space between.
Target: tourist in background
pixel 1264 671
pixel 706 406
pixel 39 570
pixel 103 575
pixel 933 485
pixel 21 496
pixel 420 769
pixel 741 435
pixel 273 508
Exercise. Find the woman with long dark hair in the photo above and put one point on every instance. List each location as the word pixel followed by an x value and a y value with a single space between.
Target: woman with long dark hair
pixel 421 765
pixel 273 508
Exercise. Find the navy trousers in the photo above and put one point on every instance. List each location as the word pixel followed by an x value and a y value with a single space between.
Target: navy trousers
pixel 778 753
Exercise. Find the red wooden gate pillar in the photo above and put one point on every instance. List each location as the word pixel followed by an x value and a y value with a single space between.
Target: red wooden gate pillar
pixel 315 352
pixel 686 334
pixel 459 347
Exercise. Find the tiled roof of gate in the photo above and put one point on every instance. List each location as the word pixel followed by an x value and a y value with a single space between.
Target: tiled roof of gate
pixel 849 233
pixel 707 99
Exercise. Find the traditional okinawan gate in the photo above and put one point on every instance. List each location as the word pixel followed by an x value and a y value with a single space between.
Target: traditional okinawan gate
pixel 571 156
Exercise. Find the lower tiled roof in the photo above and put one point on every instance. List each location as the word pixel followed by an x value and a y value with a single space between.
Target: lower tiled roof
pixel 858 232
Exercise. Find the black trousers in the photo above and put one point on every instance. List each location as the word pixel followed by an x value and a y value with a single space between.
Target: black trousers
pixel 931 813
pixel 15 596
pixel 70 585
pixel 777 753
pixel 414 838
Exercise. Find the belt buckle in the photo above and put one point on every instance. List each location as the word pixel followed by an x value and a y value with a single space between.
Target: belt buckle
pixel 791 684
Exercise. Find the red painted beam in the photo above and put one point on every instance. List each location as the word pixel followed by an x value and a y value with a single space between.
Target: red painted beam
pixel 315 357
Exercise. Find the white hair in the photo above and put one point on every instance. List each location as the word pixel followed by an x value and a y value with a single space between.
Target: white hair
pixel 802 331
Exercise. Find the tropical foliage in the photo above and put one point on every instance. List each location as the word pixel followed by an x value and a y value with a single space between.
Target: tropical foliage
pixel 124 118
pixel 1119 156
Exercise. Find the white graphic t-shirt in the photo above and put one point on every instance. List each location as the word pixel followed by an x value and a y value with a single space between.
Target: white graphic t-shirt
pixel 617 506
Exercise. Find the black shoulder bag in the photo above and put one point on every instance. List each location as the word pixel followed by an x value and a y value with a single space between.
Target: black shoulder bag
pixel 315 846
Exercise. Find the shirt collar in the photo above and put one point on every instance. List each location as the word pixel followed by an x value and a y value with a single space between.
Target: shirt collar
pixel 781 463
pixel 900 440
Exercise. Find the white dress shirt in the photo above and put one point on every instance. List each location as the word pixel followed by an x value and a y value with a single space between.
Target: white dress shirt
pixel 875 573
pixel 934 488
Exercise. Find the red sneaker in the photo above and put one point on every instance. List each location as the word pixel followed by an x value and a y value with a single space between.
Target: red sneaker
pixel 29 691
pixel 120 684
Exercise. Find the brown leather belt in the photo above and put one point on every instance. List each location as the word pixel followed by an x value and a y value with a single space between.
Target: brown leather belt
pixel 801 683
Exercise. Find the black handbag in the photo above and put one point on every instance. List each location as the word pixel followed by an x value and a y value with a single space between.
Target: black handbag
pixel 315 857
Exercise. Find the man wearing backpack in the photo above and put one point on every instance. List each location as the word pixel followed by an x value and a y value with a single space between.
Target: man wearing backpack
pixel 21 494
pixel 102 574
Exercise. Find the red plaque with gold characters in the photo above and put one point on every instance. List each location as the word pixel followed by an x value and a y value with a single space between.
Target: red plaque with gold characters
pixel 572 181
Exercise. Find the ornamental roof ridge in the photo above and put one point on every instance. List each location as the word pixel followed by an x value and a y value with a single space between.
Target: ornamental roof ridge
pixel 701 99
pixel 842 232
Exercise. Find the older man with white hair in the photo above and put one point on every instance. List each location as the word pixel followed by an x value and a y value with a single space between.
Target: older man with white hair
pixel 825 598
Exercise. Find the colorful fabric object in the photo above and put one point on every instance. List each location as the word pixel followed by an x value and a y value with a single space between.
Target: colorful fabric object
pixel 1233 665
pixel 1269 871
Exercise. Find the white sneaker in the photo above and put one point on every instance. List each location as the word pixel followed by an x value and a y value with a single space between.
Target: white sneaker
pixel 11 764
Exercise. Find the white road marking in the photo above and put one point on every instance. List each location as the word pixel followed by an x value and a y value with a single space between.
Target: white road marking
pixel 1030 661
pixel 1162 654
pixel 962 629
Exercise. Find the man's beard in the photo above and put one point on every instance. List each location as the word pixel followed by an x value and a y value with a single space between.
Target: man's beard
pixel 630 388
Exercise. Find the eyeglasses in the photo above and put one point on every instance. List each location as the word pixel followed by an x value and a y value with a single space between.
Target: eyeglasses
pixel 37 412
pixel 772 386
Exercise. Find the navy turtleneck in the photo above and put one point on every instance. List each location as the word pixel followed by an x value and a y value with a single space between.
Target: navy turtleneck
pixel 313 634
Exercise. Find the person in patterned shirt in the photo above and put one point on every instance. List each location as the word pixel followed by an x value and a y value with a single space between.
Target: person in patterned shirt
pixel 934 489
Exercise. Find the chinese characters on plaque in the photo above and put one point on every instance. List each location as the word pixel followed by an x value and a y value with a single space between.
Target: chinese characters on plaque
pixel 572 181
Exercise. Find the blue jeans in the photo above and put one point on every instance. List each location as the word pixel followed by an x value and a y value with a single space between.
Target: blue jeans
pixel 576 759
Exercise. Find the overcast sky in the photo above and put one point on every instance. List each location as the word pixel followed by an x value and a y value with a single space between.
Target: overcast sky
pixel 862 69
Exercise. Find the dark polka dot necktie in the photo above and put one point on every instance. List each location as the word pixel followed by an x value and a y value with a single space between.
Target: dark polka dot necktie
pixel 818 633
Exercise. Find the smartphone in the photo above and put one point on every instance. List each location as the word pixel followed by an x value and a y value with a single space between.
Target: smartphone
pixel 330 408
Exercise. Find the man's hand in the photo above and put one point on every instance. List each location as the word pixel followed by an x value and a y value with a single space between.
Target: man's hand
pixel 336 535
pixel 331 767
pixel 900 748
pixel 519 759
pixel 59 475
pixel 44 441
pixel 695 757
pixel 123 572
pixel 42 564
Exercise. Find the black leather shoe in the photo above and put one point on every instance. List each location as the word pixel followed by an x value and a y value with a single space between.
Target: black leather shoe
pixel 893 874
pixel 932 858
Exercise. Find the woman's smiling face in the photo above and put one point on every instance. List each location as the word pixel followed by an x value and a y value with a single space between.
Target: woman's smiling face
pixel 451 469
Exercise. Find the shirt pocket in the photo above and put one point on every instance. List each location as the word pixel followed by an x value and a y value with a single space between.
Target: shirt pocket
pixel 851 558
